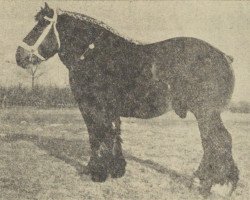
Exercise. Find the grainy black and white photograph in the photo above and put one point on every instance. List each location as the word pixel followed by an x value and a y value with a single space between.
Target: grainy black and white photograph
pixel 124 100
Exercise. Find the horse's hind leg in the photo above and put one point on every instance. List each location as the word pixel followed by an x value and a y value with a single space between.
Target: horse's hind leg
pixel 217 165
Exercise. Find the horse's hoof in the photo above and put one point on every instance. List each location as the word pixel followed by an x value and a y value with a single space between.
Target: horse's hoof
pixel 204 192
pixel 99 177
pixel 234 182
pixel 98 170
pixel 117 167
pixel 205 188
pixel 234 178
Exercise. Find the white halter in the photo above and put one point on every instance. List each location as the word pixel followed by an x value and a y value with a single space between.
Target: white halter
pixel 34 49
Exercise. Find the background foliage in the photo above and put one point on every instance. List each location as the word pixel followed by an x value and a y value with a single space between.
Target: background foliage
pixel 56 97
pixel 40 97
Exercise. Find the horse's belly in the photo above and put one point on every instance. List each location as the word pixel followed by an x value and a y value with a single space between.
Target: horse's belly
pixel 147 100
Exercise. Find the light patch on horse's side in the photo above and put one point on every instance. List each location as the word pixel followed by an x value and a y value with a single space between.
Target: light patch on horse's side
pixel 154 71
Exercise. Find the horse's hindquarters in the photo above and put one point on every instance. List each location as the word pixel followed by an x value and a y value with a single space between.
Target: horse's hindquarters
pixel 199 75
pixel 214 92
pixel 202 81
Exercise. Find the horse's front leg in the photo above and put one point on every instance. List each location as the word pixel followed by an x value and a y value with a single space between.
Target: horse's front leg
pixel 113 152
pixel 97 126
pixel 97 164
pixel 105 143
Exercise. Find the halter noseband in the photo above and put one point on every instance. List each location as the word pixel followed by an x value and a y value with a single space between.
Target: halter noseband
pixel 34 48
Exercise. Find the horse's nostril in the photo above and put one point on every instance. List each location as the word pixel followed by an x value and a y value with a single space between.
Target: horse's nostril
pixel 21 57
pixel 18 56
pixel 24 57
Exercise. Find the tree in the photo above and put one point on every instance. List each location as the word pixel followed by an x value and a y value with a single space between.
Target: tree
pixel 35 73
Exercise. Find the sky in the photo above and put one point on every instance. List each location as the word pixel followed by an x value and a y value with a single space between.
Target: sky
pixel 223 24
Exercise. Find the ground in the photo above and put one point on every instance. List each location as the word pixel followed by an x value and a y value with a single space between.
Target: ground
pixel 43 154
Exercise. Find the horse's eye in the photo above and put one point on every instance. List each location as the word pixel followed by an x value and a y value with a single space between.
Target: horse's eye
pixel 43 22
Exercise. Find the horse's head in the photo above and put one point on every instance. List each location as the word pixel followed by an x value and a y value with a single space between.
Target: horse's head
pixel 43 40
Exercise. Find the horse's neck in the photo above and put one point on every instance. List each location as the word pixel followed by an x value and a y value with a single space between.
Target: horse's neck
pixel 75 37
pixel 72 30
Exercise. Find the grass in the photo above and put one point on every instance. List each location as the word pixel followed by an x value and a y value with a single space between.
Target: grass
pixel 44 153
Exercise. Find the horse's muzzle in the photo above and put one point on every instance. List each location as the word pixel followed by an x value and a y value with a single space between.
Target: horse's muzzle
pixel 25 58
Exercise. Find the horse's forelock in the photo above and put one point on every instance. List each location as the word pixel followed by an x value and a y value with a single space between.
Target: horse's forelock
pixel 46 11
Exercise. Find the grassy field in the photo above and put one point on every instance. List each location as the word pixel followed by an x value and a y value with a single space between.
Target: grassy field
pixel 43 154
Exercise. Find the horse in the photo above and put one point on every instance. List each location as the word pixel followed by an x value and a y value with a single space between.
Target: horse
pixel 112 76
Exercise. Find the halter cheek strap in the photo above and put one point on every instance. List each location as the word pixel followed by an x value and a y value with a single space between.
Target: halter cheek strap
pixel 53 22
pixel 34 48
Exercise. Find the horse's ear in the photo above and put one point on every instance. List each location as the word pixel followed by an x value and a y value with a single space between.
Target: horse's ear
pixel 46 7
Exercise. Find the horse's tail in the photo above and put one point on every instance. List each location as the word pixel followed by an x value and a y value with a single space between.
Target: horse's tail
pixel 230 77
pixel 229 59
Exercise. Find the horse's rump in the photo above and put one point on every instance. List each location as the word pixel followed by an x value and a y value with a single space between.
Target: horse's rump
pixel 199 74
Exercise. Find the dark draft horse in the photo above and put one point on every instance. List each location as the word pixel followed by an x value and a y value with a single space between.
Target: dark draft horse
pixel 112 77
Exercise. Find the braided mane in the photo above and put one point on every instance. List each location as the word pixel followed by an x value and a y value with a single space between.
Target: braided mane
pixel 97 22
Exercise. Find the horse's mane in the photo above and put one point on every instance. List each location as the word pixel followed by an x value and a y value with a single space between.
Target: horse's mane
pixel 97 22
